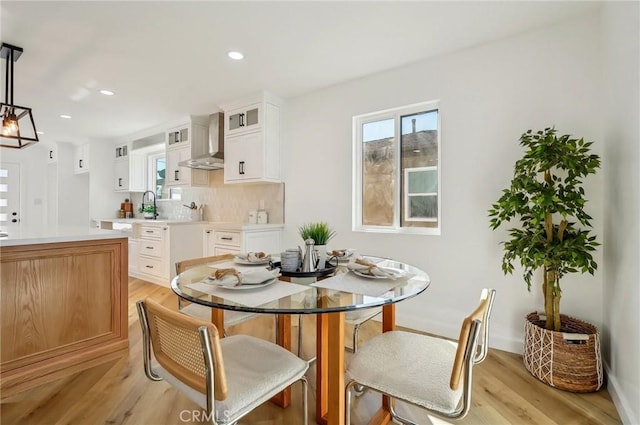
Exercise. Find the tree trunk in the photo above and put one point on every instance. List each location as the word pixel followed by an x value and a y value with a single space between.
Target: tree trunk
pixel 548 298
pixel 556 311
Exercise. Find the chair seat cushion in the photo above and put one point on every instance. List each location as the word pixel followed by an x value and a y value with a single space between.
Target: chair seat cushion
pixel 256 370
pixel 413 367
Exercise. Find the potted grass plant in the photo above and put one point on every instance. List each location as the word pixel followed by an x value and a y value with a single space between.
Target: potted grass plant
pixel 545 201
pixel 149 211
pixel 321 233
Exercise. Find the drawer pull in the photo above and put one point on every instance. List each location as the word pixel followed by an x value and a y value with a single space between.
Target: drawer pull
pixel 149 247
pixel 149 231
pixel 226 238
pixel 149 267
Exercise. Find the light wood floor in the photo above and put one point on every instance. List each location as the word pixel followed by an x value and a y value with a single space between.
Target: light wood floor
pixel 118 392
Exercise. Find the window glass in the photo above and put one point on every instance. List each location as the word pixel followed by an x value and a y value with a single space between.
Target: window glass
pixel 160 168
pixel 378 174
pixel 397 183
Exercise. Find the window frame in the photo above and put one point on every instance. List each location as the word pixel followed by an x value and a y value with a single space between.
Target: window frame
pixel 357 169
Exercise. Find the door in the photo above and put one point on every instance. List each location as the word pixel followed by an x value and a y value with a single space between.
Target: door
pixel 9 197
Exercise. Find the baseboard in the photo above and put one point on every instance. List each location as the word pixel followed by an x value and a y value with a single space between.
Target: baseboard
pixel 450 330
pixel 619 399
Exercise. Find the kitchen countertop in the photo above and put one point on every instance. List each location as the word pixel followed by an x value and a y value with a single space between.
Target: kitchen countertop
pixel 240 226
pixel 145 221
pixel 24 236
pixel 208 224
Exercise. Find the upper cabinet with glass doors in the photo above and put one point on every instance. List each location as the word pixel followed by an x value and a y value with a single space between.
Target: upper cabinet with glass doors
pixel 243 120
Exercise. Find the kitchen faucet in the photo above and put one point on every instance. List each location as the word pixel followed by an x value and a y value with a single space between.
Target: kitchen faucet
pixel 155 209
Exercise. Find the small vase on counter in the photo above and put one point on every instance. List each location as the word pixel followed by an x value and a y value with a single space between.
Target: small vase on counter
pixel 263 217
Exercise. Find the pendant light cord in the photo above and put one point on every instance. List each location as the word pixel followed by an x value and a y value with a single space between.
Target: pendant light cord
pixel 6 79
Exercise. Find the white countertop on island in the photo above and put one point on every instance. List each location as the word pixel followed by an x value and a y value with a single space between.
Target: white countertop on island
pixel 54 234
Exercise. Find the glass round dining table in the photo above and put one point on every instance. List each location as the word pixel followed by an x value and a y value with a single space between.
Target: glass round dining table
pixel 329 297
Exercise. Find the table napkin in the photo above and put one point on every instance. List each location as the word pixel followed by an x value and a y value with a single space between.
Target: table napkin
pixel 344 252
pixel 252 257
pixel 367 267
pixel 233 277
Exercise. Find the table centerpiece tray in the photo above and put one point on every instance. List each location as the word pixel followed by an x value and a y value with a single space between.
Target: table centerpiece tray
pixel 329 269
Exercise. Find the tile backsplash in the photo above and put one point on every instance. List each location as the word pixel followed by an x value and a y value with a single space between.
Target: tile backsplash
pixel 223 202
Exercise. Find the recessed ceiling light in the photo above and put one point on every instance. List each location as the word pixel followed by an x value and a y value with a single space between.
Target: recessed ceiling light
pixel 65 116
pixel 107 92
pixel 235 55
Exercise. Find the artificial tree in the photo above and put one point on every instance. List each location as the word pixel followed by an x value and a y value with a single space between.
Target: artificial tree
pixel 547 199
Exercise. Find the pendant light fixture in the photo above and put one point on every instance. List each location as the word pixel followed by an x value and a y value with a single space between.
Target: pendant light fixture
pixel 18 129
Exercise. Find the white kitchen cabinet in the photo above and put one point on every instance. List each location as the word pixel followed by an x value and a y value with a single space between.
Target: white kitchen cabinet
pixel 52 153
pixel 183 143
pixel 130 173
pixel 183 176
pixel 121 152
pixel 161 245
pixel 244 119
pixel 242 239
pixel 244 158
pixel 134 255
pixel 121 176
pixel 81 159
pixel 252 151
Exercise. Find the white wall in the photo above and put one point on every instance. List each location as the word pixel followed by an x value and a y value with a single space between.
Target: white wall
pixel 68 196
pixel 621 329
pixel 489 96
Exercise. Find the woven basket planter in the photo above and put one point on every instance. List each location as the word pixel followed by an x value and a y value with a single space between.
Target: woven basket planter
pixel 569 360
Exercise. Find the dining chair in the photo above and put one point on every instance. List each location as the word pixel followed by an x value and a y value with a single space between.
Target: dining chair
pixel 202 312
pixel 430 372
pixel 228 377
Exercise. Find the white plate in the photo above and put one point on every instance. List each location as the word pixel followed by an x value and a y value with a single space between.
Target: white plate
pixel 249 287
pixel 244 262
pixel 395 272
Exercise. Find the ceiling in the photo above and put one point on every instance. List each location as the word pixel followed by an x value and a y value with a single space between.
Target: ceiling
pixel 165 60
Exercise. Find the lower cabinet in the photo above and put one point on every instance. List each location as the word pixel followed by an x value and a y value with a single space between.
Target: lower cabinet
pixel 218 241
pixel 134 254
pixel 160 246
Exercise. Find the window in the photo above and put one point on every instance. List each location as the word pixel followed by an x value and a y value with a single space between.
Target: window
pixel 157 169
pixel 396 170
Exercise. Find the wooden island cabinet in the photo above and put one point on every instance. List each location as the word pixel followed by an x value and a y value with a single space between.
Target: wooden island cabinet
pixel 63 305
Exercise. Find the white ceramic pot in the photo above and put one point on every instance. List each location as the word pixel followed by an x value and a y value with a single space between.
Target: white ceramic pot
pixel 321 250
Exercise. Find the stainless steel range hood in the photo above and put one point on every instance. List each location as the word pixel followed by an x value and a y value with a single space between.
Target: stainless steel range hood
pixel 214 158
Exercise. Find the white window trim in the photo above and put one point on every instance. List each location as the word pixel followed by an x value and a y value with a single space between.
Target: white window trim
pixel 356 178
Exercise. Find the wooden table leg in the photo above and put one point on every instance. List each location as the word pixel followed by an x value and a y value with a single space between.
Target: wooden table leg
pixel 322 356
pixel 383 416
pixel 330 369
pixel 336 369
pixel 283 399
pixel 217 318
